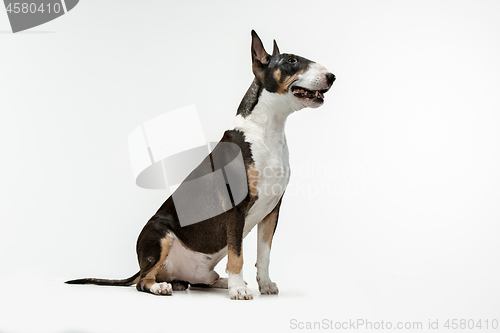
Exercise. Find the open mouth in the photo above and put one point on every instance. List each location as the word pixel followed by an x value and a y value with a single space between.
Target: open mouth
pixel 313 95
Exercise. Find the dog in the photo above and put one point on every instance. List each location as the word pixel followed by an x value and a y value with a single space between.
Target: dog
pixel 174 255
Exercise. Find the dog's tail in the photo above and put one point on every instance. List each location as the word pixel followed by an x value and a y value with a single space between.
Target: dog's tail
pixel 103 282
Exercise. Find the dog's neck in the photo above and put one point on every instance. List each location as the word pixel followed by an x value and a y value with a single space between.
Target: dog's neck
pixel 275 102
pixel 265 112
pixel 262 115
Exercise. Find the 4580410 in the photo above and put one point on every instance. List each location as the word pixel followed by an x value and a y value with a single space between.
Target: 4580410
pixel 26 7
pixel 469 324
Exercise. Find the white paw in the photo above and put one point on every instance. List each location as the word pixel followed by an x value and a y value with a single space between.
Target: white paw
pixel 268 288
pixel 240 293
pixel 162 288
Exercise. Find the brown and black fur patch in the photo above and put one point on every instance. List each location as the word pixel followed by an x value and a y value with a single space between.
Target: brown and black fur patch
pixel 211 235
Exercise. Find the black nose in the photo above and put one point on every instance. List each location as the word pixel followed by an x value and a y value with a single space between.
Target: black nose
pixel 330 78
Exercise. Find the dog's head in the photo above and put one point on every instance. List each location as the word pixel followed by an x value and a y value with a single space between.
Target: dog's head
pixel 303 80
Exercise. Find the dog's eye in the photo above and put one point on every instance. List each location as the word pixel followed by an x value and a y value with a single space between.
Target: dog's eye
pixel 292 60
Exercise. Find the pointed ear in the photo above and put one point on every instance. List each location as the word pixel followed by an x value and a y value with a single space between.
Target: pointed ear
pixel 276 51
pixel 259 54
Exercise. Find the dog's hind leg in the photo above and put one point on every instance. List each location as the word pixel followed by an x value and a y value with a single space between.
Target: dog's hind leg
pixel 152 250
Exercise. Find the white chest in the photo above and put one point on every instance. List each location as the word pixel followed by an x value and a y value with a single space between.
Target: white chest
pixel 264 130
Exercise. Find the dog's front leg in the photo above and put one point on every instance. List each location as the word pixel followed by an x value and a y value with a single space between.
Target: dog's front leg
pixel 265 231
pixel 236 285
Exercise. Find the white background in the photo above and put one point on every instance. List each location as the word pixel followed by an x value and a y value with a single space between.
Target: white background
pixel 392 210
